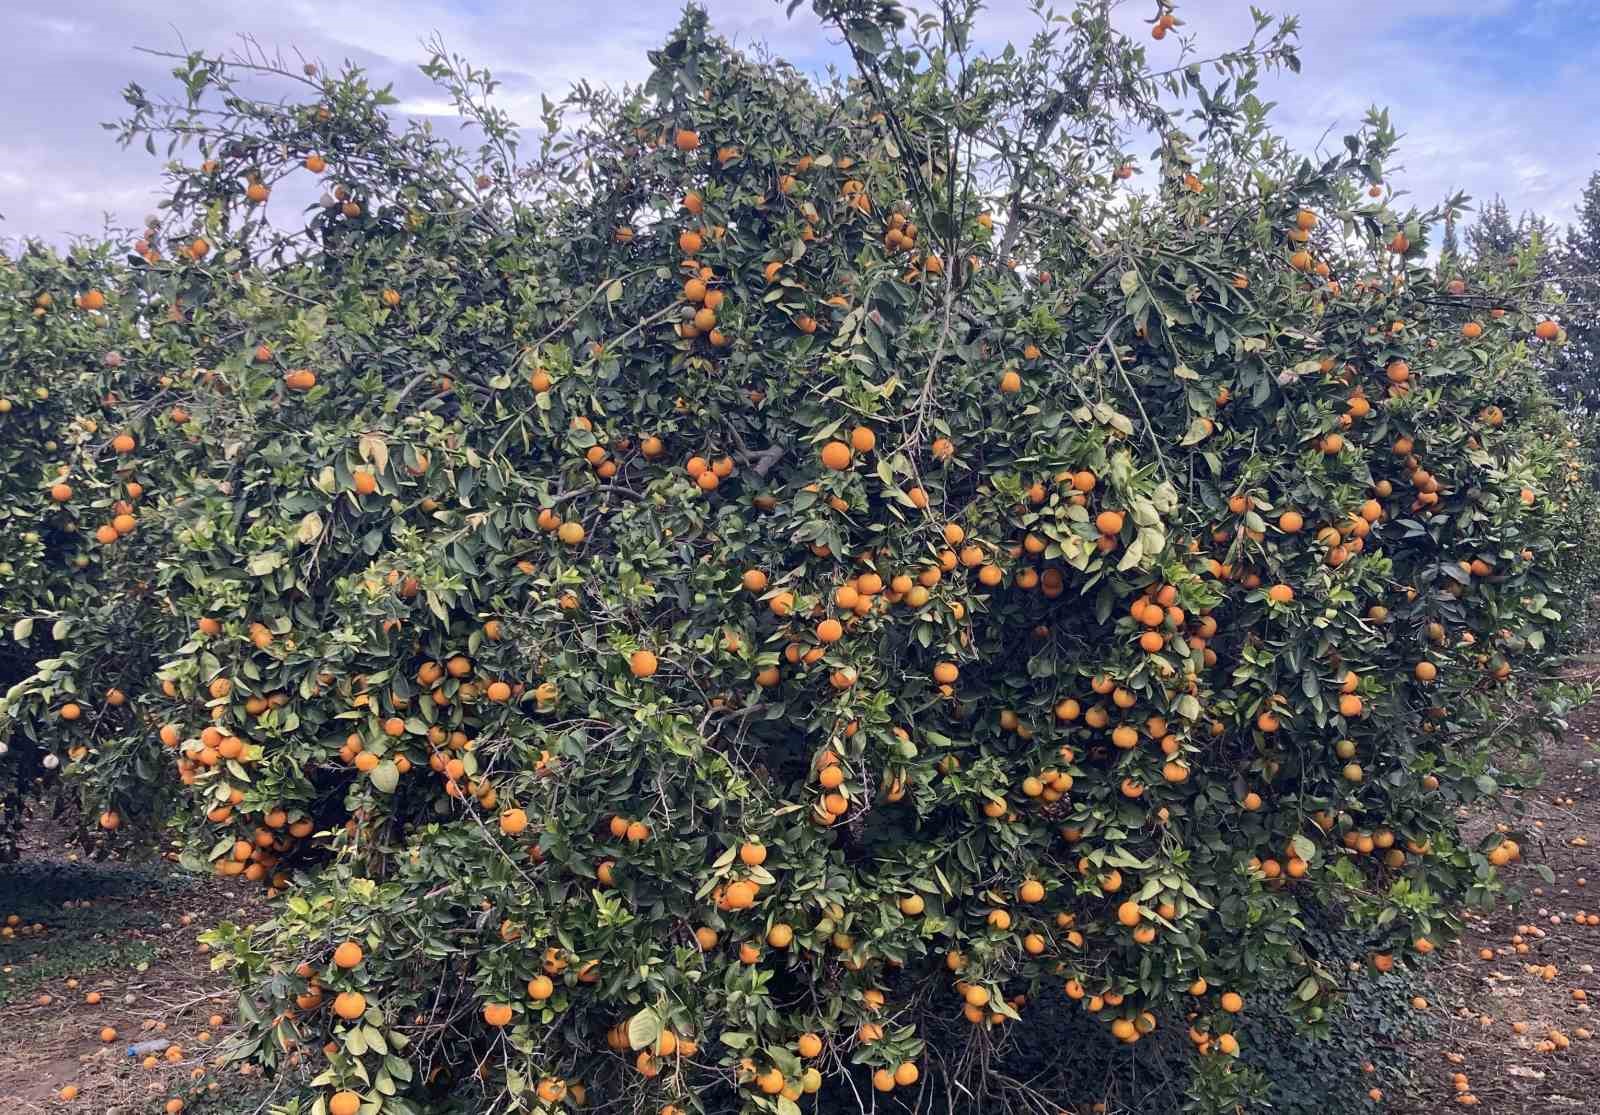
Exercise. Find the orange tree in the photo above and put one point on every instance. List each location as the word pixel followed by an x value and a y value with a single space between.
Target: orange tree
pixel 766 586
pixel 72 560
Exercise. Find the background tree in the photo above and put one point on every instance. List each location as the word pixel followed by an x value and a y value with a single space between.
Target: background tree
pixel 1575 368
pixel 1449 245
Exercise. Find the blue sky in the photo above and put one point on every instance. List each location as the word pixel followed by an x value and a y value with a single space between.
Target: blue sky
pixel 1493 96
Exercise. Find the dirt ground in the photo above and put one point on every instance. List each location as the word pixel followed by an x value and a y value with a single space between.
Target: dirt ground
pixel 1513 1033
pixel 1513 998
pixel 86 945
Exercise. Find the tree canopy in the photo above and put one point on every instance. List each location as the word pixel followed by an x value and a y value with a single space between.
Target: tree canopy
pixel 786 574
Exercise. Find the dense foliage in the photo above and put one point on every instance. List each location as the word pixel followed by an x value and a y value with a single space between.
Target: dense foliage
pixel 742 601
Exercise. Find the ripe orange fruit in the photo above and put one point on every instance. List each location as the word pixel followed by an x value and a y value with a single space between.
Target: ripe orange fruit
pixel 836 455
pixel 348 955
pixel 642 664
pixel 344 1103
pixel 513 822
pixel 686 140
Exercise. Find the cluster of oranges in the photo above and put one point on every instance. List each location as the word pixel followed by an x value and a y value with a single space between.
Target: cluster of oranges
pixel 123 521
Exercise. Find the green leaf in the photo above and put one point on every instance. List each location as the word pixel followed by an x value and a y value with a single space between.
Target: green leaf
pixel 865 35
pixel 373 448
pixel 644 1028
pixel 385 777
pixel 264 563
pixel 1199 429
pixel 1132 555
pixel 22 629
